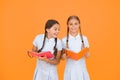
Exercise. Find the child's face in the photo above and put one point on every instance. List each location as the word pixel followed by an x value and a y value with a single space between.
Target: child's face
pixel 53 31
pixel 73 25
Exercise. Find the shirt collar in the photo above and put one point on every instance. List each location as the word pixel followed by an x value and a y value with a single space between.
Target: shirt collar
pixel 76 37
pixel 51 39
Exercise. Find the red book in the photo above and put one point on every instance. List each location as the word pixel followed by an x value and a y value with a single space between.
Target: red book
pixel 48 54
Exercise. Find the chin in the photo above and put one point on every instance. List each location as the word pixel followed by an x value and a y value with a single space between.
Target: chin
pixel 55 36
pixel 74 31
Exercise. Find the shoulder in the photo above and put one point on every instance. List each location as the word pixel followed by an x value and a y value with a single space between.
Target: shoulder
pixel 84 37
pixel 58 40
pixel 64 39
pixel 39 36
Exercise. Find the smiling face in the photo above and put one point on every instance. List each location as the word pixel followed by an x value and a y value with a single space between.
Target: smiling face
pixel 73 25
pixel 53 31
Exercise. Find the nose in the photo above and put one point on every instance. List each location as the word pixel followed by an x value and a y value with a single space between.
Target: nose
pixel 73 26
pixel 57 31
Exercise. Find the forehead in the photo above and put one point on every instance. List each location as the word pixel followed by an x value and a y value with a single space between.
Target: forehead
pixel 73 20
pixel 56 25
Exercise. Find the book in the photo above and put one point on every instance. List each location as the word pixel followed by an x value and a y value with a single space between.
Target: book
pixel 76 56
pixel 48 54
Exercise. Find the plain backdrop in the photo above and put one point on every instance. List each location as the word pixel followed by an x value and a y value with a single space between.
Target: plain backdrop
pixel 22 20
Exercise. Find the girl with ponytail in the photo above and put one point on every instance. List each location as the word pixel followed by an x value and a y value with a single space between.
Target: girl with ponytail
pixel 46 68
pixel 75 42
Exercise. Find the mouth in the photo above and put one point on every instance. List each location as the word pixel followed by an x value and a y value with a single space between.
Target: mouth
pixel 55 34
pixel 73 29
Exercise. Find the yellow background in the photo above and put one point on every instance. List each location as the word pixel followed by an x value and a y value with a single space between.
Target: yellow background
pixel 22 20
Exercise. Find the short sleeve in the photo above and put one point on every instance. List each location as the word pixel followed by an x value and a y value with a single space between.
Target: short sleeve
pixel 63 43
pixel 35 41
pixel 59 45
pixel 38 41
pixel 86 43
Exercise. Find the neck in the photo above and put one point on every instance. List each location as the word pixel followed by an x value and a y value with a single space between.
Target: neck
pixel 74 33
pixel 49 36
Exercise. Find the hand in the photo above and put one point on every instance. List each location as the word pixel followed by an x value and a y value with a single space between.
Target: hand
pixel 64 56
pixel 63 51
pixel 82 46
pixel 44 58
pixel 28 52
pixel 87 54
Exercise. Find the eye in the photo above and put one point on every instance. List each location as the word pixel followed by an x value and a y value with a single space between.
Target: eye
pixel 70 24
pixel 76 23
pixel 56 29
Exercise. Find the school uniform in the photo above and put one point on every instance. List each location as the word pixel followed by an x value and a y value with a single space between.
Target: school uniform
pixel 75 69
pixel 44 70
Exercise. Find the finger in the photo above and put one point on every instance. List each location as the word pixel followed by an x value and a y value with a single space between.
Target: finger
pixel 40 58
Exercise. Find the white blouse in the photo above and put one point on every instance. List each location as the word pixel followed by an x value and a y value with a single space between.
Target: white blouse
pixel 75 43
pixel 49 43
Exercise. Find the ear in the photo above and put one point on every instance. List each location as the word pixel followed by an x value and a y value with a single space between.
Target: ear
pixel 48 30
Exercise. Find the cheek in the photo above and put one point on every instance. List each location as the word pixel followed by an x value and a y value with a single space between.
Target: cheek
pixel 70 27
pixel 50 32
pixel 77 27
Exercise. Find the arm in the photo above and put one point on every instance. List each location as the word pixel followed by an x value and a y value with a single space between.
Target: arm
pixel 34 48
pixel 87 54
pixel 63 54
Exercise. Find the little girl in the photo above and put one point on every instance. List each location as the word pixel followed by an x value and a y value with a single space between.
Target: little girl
pixel 75 41
pixel 46 68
